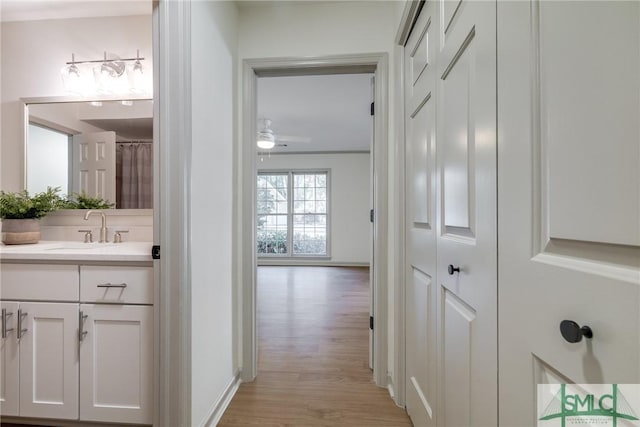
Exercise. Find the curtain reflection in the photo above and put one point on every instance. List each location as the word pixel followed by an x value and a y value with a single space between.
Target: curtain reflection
pixel 134 175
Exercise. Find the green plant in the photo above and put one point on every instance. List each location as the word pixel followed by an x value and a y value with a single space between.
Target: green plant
pixel 82 201
pixel 21 205
pixel 271 242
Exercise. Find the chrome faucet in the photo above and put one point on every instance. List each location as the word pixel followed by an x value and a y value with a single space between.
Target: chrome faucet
pixel 103 228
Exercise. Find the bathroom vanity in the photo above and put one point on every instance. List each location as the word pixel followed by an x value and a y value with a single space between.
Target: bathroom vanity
pixel 77 332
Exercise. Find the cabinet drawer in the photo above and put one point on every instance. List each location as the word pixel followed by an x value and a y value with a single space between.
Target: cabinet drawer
pixel 120 285
pixel 39 282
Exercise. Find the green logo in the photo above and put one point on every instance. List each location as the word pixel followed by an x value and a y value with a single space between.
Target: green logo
pixel 588 408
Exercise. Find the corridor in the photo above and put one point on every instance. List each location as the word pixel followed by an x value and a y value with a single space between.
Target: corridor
pixel 312 353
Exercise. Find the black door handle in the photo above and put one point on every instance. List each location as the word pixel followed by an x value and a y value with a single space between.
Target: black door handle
pixel 573 333
pixel 453 269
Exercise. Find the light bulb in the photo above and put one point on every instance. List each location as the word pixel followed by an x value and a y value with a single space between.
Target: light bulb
pixel 266 144
pixel 71 79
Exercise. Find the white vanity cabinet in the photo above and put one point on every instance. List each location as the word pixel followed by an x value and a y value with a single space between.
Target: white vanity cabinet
pixel 84 347
pixel 39 358
pixel 116 369
pixel 49 360
pixel 9 361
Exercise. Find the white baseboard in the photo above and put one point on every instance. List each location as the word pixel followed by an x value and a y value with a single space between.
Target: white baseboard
pixel 217 410
pixel 309 263
pixel 392 392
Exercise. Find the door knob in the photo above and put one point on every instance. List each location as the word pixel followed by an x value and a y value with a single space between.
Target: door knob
pixel 572 332
pixel 453 269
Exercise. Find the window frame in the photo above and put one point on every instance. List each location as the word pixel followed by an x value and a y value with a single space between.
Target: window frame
pixel 290 212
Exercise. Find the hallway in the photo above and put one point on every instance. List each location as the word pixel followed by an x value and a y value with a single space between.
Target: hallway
pixel 312 353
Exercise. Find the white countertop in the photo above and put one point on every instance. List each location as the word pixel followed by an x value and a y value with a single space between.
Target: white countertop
pixel 49 250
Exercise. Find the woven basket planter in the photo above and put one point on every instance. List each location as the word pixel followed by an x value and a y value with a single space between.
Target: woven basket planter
pixel 20 231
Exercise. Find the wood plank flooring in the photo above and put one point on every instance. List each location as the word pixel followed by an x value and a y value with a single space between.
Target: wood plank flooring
pixel 313 354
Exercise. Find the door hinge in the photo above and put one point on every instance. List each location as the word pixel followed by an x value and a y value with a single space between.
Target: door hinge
pixel 155 252
pixel 371 322
pixel 373 109
pixel 371 215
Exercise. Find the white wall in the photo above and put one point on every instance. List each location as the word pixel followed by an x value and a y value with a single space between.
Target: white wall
pixel 32 55
pixel 48 157
pixel 299 29
pixel 349 203
pixel 213 52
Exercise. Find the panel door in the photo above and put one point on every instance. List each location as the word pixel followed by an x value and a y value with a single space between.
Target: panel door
pixel 49 360
pixel 94 164
pixel 420 176
pixel 569 190
pixel 467 207
pixel 9 361
pixel 117 364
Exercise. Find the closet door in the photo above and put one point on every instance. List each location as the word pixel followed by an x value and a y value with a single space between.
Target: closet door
pixel 420 168
pixel 569 189
pixel 467 209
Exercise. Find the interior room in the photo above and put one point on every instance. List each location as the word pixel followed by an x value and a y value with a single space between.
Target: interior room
pixel 314 249
pixel 503 183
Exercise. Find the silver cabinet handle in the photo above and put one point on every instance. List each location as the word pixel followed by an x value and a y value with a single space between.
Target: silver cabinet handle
pixel 81 332
pixel 113 285
pixel 21 331
pixel 5 315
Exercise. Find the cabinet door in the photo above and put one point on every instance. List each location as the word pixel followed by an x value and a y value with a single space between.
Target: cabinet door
pixel 9 361
pixel 49 360
pixel 116 368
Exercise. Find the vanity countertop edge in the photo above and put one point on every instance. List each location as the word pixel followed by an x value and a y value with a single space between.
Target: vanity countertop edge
pixel 50 250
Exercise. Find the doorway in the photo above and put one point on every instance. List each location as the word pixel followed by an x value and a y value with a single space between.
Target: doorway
pixel 254 69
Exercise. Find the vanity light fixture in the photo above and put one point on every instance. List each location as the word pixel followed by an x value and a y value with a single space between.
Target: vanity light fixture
pixel 135 73
pixel 106 76
pixel 71 77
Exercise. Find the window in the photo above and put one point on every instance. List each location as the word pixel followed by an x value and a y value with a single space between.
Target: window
pixel 292 210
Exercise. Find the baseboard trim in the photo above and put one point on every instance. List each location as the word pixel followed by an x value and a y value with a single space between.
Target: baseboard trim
pixel 310 263
pixel 217 410
pixel 390 388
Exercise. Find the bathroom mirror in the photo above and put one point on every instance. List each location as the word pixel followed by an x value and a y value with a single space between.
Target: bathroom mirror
pixel 98 148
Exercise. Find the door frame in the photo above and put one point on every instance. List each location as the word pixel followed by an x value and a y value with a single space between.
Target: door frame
pixel 246 185
pixel 410 14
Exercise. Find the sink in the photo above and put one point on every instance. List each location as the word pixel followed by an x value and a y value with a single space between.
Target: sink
pixel 65 246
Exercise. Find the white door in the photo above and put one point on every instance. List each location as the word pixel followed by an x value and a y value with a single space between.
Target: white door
pixel 9 360
pixel 94 165
pixel 420 168
pixel 569 191
pixel 49 360
pixel 466 229
pixel 116 368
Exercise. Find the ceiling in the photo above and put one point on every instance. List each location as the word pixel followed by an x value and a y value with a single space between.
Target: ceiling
pixel 34 10
pixel 127 129
pixel 332 110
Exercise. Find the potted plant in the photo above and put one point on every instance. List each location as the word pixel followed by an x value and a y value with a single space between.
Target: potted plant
pixel 20 214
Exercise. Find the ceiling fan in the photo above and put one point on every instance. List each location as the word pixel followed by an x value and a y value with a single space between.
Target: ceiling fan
pixel 267 139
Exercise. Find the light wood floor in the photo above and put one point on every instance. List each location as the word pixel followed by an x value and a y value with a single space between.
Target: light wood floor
pixel 313 354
